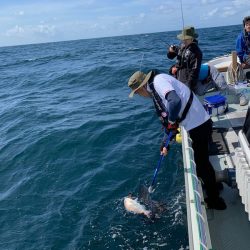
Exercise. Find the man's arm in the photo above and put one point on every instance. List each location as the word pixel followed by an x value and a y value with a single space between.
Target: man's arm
pixel 240 48
pixel 172 52
pixel 174 106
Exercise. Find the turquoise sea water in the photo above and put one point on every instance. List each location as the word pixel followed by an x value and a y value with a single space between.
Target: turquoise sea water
pixel 72 144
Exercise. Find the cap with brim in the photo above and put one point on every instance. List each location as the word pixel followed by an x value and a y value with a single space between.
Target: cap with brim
pixel 187 33
pixel 138 80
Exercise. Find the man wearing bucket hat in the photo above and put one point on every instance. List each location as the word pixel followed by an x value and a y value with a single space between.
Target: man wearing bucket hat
pixel 243 43
pixel 188 58
pixel 176 104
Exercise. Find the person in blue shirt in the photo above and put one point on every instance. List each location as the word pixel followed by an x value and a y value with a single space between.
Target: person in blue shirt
pixel 243 43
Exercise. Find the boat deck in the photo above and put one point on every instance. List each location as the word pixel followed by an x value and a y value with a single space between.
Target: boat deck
pixel 234 118
pixel 230 228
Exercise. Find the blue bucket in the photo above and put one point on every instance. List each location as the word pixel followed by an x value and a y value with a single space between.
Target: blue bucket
pixel 215 104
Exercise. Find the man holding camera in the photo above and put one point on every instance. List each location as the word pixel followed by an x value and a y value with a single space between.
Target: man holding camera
pixel 189 57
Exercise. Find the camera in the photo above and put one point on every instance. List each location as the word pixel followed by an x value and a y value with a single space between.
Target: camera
pixel 174 48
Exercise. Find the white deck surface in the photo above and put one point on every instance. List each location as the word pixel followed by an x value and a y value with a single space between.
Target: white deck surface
pixel 235 117
pixel 229 229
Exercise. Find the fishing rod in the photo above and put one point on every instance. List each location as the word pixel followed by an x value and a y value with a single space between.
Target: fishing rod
pixel 182 15
pixel 182 18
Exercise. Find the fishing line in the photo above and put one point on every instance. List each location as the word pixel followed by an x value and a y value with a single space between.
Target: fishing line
pixel 167 44
pixel 141 60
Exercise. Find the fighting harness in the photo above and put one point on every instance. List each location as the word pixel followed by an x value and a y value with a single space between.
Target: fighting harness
pixel 160 107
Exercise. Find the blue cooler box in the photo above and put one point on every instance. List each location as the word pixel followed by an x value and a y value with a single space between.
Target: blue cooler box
pixel 215 104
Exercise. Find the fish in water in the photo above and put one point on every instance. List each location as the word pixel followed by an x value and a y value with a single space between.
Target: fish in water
pixel 133 205
pixel 154 208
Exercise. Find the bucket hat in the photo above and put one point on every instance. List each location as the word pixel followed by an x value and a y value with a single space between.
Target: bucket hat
pixel 137 80
pixel 187 33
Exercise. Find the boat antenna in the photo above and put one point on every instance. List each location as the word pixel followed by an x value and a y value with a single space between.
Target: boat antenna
pixel 182 15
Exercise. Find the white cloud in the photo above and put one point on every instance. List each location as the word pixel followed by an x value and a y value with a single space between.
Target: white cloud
pixel 47 20
pixel 228 11
pixel 45 29
pixel 241 3
pixel 15 31
pixel 212 12
pixel 30 30
pixel 208 1
pixel 125 24
pixel 164 9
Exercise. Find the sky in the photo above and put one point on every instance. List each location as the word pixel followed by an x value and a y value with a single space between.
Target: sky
pixel 33 21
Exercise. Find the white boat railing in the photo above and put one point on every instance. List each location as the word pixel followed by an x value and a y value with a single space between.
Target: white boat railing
pixel 198 232
pixel 244 144
pixel 242 158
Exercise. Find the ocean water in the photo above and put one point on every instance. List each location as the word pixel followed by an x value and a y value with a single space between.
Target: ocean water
pixel 72 144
